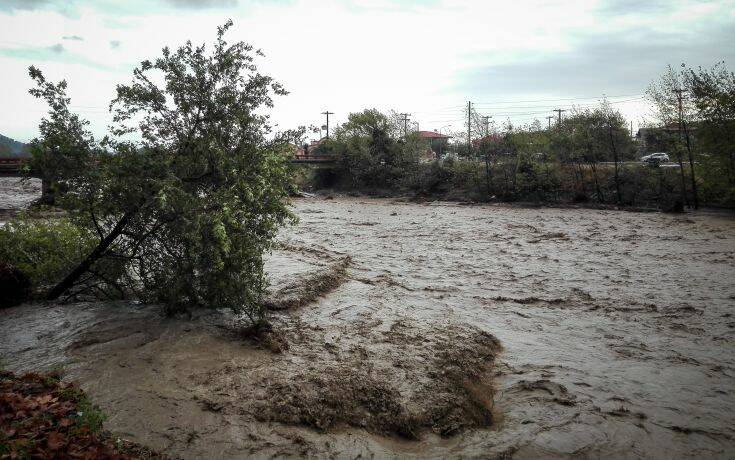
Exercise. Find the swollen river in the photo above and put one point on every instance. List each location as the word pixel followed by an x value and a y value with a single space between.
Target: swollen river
pixel 616 330
pixel 617 327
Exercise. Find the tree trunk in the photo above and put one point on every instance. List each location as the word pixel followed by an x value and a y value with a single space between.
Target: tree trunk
pixel 600 196
pixel 93 256
pixel 47 193
pixel 487 173
pixel 615 159
pixel 691 166
pixel 683 181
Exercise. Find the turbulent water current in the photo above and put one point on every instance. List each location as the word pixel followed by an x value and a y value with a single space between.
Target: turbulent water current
pixel 616 328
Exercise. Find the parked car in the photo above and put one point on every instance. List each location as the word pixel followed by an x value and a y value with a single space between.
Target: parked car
pixel 655 158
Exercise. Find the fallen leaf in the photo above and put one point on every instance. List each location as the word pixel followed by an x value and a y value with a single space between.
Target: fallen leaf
pixel 45 399
pixel 55 440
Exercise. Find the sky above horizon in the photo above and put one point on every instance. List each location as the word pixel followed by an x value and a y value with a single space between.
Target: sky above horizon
pixel 513 60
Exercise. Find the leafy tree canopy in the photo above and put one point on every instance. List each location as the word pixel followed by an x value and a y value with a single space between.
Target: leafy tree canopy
pixel 187 191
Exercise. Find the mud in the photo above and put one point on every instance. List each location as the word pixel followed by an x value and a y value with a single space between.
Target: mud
pixel 616 331
pixel 444 385
pixel 307 289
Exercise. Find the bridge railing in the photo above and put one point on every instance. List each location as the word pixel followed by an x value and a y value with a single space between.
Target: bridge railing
pixel 11 161
pixel 314 158
pixel 11 166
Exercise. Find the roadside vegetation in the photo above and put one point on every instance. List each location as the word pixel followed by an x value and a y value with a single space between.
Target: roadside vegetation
pixel 590 157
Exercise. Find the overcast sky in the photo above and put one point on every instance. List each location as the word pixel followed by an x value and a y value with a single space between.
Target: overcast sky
pixel 516 59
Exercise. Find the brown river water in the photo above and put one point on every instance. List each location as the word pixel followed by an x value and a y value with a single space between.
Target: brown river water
pixel 616 328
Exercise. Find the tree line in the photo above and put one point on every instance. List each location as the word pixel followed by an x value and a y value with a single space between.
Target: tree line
pixel 589 157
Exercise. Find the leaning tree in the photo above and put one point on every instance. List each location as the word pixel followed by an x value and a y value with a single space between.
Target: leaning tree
pixel 187 191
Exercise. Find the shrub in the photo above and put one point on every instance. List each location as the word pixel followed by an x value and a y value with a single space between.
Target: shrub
pixel 42 250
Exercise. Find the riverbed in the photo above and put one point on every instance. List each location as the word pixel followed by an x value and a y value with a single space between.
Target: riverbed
pixel 615 330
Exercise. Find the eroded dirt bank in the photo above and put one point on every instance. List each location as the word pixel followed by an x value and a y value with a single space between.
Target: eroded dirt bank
pixel 616 332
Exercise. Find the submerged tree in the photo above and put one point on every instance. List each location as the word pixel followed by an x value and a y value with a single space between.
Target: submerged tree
pixel 183 214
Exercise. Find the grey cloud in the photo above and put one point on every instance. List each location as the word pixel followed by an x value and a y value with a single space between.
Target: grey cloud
pixel 114 44
pixel 73 37
pixel 65 7
pixel 202 4
pixel 28 5
pixel 637 7
pixel 622 63
pixel 55 53
pixel 118 8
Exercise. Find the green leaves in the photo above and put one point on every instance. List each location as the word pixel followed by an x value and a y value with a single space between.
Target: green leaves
pixel 191 166
pixel 43 249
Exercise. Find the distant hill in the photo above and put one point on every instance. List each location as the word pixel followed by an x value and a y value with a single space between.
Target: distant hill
pixel 12 148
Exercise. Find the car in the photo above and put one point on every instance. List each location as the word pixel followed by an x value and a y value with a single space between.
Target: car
pixel 656 158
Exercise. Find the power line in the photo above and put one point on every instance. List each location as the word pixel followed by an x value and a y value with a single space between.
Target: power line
pixel 556 100
pixel 442 109
pixel 515 114
pixel 568 105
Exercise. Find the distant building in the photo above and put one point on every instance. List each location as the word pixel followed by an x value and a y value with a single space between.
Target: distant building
pixel 659 138
pixel 307 150
pixel 483 140
pixel 438 142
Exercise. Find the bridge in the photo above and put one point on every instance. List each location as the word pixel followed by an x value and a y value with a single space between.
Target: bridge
pixel 11 167
pixel 314 159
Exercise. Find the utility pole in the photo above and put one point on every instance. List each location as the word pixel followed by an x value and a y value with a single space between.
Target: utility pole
pixel 469 127
pixel 549 118
pixel 559 111
pixel 327 113
pixel 405 124
pixel 682 124
pixel 486 122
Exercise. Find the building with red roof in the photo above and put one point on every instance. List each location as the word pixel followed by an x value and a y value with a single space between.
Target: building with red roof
pixel 437 141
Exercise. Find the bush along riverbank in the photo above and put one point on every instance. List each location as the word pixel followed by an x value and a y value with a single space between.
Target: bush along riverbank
pixel 526 181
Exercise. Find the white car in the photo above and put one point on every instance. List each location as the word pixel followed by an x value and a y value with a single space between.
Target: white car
pixel 659 157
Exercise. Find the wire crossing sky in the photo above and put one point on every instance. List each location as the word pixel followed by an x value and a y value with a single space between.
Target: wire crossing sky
pixel 515 61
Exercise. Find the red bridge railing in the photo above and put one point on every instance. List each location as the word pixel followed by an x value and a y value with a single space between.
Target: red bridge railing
pixel 11 166
pixel 314 159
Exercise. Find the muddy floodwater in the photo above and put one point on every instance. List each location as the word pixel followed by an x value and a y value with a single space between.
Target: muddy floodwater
pixel 586 333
